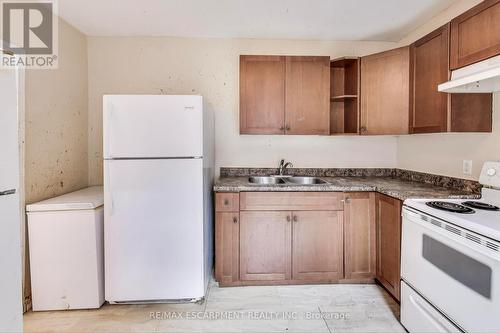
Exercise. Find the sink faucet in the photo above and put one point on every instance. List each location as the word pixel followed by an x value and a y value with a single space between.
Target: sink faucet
pixel 282 167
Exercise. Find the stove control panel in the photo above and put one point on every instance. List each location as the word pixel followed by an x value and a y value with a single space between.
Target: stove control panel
pixel 490 174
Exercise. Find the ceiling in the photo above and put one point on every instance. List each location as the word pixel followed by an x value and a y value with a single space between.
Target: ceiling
pixel 380 20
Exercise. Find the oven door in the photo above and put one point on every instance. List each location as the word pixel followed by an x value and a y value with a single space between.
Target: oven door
pixel 457 271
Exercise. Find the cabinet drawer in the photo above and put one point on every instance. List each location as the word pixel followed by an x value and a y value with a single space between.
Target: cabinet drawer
pixel 291 201
pixel 227 202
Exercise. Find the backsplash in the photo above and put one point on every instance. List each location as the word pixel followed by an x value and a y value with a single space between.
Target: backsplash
pixel 438 180
pixel 312 172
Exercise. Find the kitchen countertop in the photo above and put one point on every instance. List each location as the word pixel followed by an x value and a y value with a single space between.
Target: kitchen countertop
pixel 394 187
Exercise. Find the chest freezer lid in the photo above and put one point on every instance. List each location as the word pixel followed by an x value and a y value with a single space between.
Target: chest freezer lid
pixel 87 198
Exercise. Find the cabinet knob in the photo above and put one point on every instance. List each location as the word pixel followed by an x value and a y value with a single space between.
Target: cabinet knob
pixel 295 218
pixel 288 218
pixel 235 219
pixel 347 200
pixel 287 128
pixel 282 128
pixel 363 129
pixel 226 202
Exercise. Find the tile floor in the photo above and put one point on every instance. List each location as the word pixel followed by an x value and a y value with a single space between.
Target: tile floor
pixel 314 308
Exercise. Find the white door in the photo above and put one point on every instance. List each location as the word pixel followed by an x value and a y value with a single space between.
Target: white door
pixel 153 230
pixel 10 221
pixel 138 126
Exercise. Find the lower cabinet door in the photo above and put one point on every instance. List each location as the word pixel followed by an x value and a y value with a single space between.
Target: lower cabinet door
pixel 389 243
pixel 317 251
pixel 265 245
pixel 359 235
pixel 227 246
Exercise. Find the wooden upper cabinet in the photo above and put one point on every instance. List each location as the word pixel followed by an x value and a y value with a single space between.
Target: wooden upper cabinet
pixel 359 235
pixel 432 111
pixel 307 96
pixel 471 113
pixel 344 96
pixel 429 68
pixel 317 251
pixel 385 92
pixel 284 95
pixel 389 243
pixel 475 35
pixel 262 95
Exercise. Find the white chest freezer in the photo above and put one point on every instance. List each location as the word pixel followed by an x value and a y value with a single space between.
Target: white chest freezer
pixel 67 251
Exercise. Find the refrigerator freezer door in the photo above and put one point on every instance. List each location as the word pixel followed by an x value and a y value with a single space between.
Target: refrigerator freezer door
pixel 152 126
pixel 153 229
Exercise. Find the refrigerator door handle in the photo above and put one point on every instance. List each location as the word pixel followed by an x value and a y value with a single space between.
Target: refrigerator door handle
pixel 108 184
pixel 108 130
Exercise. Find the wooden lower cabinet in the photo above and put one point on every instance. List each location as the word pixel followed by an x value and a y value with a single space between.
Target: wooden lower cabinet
pixel 227 249
pixel 317 250
pixel 343 237
pixel 265 245
pixel 389 243
pixel 359 236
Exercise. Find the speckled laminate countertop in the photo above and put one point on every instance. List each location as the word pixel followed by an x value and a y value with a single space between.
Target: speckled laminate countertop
pixel 394 187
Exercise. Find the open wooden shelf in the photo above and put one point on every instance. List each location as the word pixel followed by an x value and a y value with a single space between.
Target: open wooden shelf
pixel 343 62
pixel 344 92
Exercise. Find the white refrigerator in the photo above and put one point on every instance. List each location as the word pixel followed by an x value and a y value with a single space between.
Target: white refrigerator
pixel 158 178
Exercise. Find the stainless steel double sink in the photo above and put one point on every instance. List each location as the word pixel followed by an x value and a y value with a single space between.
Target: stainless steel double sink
pixel 286 180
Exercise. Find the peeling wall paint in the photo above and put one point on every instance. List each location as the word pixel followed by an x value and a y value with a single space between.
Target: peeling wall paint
pixel 56 121
pixel 210 67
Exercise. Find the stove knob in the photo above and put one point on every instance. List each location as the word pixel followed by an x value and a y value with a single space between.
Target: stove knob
pixel 491 172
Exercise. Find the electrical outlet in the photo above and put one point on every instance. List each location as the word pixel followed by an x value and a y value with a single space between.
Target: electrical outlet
pixel 467 167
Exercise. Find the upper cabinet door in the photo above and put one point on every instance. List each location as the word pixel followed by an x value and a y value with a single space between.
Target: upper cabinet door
pixel 262 95
pixel 385 92
pixel 429 62
pixel 307 101
pixel 475 35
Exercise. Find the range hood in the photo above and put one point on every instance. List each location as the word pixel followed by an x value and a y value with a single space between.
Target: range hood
pixel 481 77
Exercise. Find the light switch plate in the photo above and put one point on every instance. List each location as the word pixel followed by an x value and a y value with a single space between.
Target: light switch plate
pixel 467 167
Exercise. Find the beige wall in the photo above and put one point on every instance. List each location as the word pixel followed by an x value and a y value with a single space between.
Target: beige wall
pixel 210 67
pixel 444 153
pixel 56 121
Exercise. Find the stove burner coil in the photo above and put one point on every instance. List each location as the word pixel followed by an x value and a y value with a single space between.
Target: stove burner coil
pixel 450 207
pixel 480 205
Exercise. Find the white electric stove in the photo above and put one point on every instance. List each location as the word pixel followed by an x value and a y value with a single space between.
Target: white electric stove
pixel 450 261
